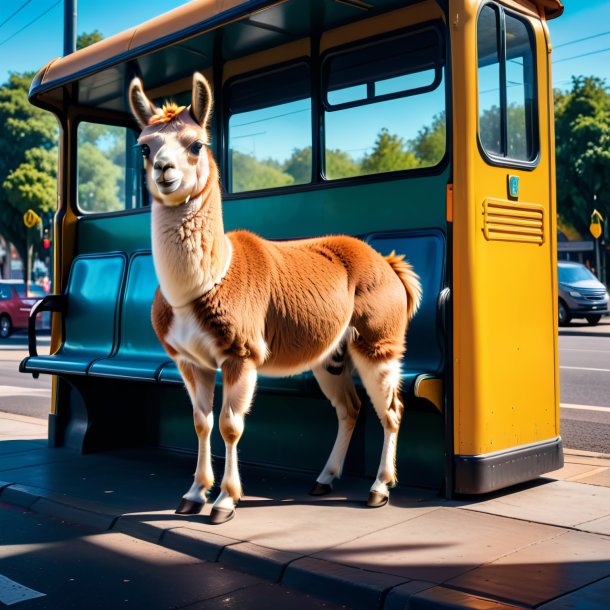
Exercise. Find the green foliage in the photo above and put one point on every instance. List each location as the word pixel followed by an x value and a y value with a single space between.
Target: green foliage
pixel 340 165
pixel 88 38
pixel 582 136
pixel 489 129
pixel 298 165
pixel 98 180
pixel 249 174
pixel 28 155
pixel 431 141
pixel 389 154
pixel 28 162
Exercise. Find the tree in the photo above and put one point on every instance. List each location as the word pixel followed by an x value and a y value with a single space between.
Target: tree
pixel 28 160
pixel 88 38
pixel 389 154
pixel 340 165
pixel 250 174
pixel 430 142
pixel 582 137
pixel 298 165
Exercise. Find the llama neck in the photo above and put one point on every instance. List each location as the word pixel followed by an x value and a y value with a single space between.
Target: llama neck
pixel 190 250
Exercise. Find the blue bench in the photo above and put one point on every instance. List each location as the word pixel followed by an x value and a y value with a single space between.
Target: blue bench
pixel 140 355
pixel 108 332
pixel 89 315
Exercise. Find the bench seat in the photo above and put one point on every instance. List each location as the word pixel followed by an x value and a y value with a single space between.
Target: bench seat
pixel 139 355
pixel 89 311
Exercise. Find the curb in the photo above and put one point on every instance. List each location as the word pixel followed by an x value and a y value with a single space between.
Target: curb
pixel 344 585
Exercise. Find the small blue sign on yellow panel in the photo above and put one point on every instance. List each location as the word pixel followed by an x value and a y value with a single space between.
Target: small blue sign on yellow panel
pixel 513 186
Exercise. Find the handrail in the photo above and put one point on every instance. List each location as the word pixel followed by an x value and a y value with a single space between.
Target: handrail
pixel 52 302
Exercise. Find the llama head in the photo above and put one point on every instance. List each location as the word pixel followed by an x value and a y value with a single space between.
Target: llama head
pixel 173 142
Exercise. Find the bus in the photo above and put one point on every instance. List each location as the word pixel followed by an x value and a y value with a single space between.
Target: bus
pixel 423 127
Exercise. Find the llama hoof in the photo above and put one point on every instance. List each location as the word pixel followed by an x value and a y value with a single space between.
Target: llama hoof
pixel 189 507
pixel 221 515
pixel 376 499
pixel 320 489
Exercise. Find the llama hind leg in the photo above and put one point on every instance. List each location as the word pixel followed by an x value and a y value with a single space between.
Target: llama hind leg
pixel 337 385
pixel 200 386
pixel 239 382
pixel 381 379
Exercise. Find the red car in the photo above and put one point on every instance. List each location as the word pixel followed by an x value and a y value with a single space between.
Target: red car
pixel 15 305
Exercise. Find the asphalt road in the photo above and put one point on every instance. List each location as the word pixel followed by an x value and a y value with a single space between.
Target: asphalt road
pixel 584 355
pixel 584 360
pixel 46 564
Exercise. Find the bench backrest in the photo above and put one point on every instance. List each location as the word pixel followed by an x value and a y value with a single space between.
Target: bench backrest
pixel 425 250
pixel 137 336
pixel 94 289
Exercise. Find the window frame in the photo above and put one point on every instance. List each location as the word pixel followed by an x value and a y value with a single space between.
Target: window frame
pixel 443 55
pixel 489 157
pixel 110 120
pixel 369 42
pixel 224 161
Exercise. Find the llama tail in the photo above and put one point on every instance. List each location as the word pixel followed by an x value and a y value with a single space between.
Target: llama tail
pixel 409 279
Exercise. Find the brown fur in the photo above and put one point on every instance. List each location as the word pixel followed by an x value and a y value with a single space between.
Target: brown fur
pixel 281 308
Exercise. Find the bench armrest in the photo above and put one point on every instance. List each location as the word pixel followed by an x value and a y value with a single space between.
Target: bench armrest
pixel 52 302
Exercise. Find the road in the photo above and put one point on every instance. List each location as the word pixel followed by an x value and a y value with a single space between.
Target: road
pixel 46 564
pixel 584 354
pixel 584 359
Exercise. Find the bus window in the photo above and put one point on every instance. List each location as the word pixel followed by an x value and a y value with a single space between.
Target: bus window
pixel 507 108
pixel 270 130
pixel 110 169
pixel 384 105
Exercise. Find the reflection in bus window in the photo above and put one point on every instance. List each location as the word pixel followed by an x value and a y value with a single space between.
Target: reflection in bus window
pixel 110 168
pixel 506 86
pixel 519 89
pixel 270 130
pixel 490 127
pixel 385 106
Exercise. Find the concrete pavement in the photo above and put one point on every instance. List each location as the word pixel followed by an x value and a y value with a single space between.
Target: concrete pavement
pixel 543 545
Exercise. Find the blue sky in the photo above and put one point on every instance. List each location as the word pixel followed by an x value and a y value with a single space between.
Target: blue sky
pixel 33 36
pixel 35 45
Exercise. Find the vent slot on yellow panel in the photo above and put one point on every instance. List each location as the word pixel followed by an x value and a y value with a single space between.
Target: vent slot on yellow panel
pixel 513 221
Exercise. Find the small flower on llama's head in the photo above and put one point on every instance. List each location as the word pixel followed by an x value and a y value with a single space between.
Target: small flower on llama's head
pixel 165 114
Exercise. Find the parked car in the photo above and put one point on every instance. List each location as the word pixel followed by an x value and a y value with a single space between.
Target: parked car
pixel 15 305
pixel 581 294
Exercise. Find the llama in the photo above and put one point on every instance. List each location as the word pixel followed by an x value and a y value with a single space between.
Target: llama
pixel 242 304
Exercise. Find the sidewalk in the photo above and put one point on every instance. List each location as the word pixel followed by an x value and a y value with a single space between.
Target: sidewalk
pixel 543 545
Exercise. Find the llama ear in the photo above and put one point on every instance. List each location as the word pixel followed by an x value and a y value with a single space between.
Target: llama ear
pixel 201 106
pixel 143 109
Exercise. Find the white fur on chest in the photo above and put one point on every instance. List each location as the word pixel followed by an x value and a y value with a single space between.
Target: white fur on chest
pixel 191 341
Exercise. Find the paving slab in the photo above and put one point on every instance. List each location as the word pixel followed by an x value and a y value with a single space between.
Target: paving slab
pixel 592 597
pixel 449 599
pixel 600 476
pixel 258 560
pixel 438 545
pixel 543 571
pixel 420 551
pixel 560 503
pixel 10 446
pixel 204 545
pixel 344 585
pixel 597 526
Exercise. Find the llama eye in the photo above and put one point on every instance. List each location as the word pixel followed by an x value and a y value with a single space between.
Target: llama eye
pixel 196 147
pixel 145 151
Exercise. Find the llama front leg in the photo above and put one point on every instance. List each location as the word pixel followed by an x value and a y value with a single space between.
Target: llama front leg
pixel 340 390
pixel 200 386
pixel 239 382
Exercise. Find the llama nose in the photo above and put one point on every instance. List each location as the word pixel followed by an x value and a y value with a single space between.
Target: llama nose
pixel 162 165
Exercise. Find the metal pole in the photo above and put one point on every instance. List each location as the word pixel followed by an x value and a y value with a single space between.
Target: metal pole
pixel 69 26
